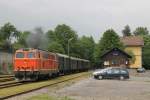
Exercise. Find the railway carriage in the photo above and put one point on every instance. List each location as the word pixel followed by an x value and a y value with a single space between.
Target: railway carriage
pixel 31 64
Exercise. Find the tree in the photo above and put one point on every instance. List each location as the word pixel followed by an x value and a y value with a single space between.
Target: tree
pixel 8 34
pixel 8 31
pixel 60 35
pixel 126 31
pixel 87 46
pixel 21 43
pixel 146 57
pixel 51 36
pixel 141 31
pixel 63 34
pixel 146 52
pixel 55 47
pixel 109 40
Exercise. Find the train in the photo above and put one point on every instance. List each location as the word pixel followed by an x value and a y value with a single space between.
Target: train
pixel 32 64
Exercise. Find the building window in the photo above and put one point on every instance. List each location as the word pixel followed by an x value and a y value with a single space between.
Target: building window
pixel 114 62
pixel 106 63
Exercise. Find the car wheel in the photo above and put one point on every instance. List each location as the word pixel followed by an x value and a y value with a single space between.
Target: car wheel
pixel 121 78
pixel 100 77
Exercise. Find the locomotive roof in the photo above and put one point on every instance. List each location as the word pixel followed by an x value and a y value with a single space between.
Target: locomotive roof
pixel 33 49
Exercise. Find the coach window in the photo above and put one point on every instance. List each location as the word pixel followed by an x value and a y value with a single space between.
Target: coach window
pixel 19 55
pixel 31 55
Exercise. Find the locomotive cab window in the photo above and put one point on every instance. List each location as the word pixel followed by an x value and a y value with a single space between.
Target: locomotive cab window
pixel 19 55
pixel 30 55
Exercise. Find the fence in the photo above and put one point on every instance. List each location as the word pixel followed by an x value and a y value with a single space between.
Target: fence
pixel 6 60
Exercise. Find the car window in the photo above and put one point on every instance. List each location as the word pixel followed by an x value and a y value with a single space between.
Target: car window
pixel 123 72
pixel 109 71
pixel 116 71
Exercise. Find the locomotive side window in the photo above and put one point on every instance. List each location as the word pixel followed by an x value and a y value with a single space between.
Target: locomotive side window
pixel 31 55
pixel 38 54
pixel 51 57
pixel 45 55
pixel 19 55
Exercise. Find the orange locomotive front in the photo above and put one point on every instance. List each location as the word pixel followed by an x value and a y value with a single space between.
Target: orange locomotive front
pixel 30 64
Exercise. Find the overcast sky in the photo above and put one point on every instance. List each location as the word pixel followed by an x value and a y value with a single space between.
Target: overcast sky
pixel 87 17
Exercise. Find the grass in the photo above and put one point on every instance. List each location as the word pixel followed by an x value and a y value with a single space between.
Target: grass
pixel 26 87
pixel 47 97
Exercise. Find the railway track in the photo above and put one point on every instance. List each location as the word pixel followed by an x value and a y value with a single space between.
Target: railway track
pixel 5 78
pixel 38 85
pixel 6 85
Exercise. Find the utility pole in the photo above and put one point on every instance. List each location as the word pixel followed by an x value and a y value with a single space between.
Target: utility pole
pixel 69 40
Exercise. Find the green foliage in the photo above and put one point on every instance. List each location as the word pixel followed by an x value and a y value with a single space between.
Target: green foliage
pixel 8 31
pixel 21 43
pixel 146 57
pixel 23 37
pixel 63 34
pixel 146 52
pixel 109 40
pixel 126 31
pixel 51 36
pixel 87 46
pixel 79 47
pixel 146 39
pixel 141 31
pixel 60 37
pixel 8 34
pixel 55 47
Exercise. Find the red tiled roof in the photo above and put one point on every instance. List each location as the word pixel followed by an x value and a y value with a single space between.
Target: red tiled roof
pixel 132 41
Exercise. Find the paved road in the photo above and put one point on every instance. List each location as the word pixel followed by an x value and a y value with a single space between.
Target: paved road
pixel 137 88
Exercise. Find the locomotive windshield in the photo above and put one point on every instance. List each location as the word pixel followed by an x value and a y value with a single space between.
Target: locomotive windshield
pixel 30 55
pixel 19 55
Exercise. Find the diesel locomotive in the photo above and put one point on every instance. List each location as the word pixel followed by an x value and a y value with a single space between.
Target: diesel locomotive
pixel 31 64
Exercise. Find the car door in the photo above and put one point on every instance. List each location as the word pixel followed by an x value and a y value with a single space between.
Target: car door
pixel 109 74
pixel 116 73
pixel 124 73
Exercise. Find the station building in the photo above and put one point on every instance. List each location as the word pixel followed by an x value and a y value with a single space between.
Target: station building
pixel 123 58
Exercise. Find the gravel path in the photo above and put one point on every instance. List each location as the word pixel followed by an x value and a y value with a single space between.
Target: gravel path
pixel 136 88
pixel 90 89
